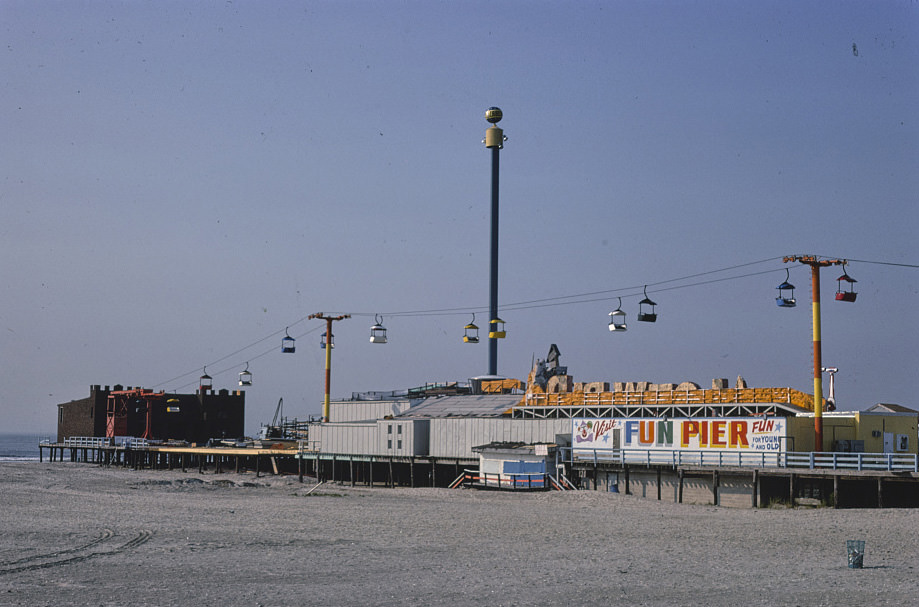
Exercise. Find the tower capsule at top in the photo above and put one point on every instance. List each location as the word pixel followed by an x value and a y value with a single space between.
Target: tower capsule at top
pixel 494 136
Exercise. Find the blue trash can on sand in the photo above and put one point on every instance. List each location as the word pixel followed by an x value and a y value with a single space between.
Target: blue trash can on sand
pixel 856 551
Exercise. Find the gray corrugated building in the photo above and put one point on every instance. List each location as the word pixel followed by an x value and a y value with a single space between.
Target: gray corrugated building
pixel 442 427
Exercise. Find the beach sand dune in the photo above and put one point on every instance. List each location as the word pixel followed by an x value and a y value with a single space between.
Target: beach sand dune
pixel 77 534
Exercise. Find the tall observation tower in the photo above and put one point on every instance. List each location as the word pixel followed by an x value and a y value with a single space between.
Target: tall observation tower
pixel 494 139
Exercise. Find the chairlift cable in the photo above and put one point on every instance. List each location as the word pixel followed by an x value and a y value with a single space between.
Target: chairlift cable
pixel 562 300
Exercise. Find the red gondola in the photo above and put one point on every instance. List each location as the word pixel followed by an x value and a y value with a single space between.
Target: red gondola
pixel 205 382
pixel 842 294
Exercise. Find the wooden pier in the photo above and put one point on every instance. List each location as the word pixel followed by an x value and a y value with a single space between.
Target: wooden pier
pixel 733 486
pixel 745 487
pixel 383 470
pixel 389 471
pixel 128 455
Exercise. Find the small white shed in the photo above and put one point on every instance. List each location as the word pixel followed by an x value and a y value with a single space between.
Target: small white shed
pixel 515 466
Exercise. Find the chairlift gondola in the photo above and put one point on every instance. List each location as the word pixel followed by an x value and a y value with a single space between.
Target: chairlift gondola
pixel 786 300
pixel 205 381
pixel 378 331
pixel 287 343
pixel 323 341
pixel 471 332
pixel 646 316
pixel 617 319
pixel 245 377
pixel 496 329
pixel 845 295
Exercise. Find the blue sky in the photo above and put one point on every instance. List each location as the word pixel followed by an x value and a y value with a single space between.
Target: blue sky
pixel 183 180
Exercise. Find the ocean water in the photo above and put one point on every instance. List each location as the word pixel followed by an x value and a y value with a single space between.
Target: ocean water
pixel 20 447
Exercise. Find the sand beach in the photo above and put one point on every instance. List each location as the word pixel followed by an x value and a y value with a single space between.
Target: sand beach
pixel 78 534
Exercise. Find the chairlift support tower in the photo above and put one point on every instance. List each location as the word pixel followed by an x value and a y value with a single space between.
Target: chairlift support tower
pixel 816 264
pixel 328 359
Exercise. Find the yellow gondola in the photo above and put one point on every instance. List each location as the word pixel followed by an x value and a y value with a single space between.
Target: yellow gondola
pixel 496 329
pixel 471 334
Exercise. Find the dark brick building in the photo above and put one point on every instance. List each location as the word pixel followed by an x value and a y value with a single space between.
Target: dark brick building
pixel 140 412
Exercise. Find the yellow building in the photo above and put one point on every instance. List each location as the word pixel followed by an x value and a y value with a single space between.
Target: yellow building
pixel 880 429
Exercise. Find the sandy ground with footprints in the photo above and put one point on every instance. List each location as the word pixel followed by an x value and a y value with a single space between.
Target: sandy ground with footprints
pixel 78 534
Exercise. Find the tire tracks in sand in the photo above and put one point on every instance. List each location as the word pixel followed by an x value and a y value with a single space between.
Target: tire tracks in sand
pixel 95 547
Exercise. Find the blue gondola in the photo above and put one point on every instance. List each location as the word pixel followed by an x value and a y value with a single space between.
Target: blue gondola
pixel 287 344
pixel 786 300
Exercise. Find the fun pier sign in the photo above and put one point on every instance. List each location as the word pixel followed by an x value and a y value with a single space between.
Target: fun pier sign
pixel 693 434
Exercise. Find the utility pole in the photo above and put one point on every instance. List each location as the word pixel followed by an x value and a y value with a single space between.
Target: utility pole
pixel 815 265
pixel 328 357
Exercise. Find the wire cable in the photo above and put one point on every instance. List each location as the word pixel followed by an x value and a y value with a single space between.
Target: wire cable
pixel 887 263
pixel 561 300
pixel 239 351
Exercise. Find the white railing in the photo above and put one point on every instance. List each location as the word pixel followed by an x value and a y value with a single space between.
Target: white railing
pixel 304 446
pixel 90 442
pixel 854 461
pixel 758 459
pixel 95 442
pixel 508 480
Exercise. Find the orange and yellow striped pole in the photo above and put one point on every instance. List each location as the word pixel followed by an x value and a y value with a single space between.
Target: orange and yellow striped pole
pixel 815 265
pixel 818 364
pixel 328 359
